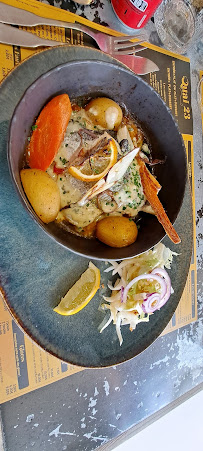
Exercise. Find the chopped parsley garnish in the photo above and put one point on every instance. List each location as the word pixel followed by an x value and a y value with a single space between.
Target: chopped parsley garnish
pixel 137 179
pixel 63 160
pixel 34 127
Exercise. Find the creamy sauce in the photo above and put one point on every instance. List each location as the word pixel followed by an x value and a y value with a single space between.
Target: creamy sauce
pixel 130 197
pixel 82 216
pixel 126 196
pixel 70 188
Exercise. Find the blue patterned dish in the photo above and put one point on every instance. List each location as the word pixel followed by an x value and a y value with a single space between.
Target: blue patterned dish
pixel 36 271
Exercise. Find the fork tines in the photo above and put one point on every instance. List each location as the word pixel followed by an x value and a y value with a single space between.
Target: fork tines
pixel 129 51
pixel 127 45
pixel 117 39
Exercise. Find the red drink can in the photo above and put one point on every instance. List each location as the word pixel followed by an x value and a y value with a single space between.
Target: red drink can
pixel 135 13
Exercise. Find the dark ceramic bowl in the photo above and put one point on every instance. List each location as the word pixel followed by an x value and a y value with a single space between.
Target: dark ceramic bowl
pixel 96 78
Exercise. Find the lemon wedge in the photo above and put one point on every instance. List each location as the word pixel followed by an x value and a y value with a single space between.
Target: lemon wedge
pixel 81 292
pixel 97 166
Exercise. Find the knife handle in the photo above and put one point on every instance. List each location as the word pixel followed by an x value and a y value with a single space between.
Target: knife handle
pixel 14 36
pixel 15 16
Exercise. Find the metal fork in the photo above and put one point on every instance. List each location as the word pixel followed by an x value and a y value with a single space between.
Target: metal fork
pixel 109 44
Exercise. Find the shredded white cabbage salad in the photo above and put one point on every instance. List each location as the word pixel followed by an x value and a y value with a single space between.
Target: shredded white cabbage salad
pixel 127 301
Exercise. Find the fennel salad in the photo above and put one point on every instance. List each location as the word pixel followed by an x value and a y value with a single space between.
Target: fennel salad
pixel 142 287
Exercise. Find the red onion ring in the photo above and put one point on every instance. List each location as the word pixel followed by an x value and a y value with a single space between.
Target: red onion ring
pixel 164 274
pixel 122 291
pixel 148 306
pixel 150 276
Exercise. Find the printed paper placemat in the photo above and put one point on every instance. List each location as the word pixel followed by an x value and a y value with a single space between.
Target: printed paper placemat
pixel 23 365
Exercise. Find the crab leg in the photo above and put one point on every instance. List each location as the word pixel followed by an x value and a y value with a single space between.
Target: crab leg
pixel 151 188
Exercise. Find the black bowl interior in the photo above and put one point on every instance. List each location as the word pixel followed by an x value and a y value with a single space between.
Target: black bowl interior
pixel 96 78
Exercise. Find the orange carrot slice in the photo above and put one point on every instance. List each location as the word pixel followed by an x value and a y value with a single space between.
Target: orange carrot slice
pixel 48 132
pixel 151 187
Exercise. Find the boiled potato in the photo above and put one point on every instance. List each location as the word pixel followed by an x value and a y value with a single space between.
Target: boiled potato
pixel 104 112
pixel 42 192
pixel 116 231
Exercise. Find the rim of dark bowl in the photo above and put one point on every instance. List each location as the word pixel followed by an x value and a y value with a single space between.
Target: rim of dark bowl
pixel 21 193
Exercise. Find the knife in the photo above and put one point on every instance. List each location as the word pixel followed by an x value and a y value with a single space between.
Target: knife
pixel 14 36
